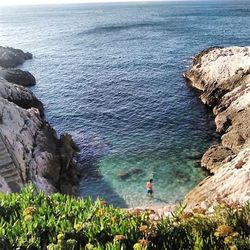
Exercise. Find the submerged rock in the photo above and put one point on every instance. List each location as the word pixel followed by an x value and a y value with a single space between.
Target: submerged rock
pixel 128 174
pixel 223 75
pixel 180 176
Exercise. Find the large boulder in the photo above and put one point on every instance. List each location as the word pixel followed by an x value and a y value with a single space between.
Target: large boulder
pixel 18 76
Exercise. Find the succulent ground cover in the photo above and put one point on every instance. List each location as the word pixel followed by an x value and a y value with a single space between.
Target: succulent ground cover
pixel 33 220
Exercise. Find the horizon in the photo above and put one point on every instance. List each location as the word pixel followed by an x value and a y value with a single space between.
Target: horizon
pixel 57 2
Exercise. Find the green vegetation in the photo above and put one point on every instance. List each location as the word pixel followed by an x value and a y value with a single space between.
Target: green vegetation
pixel 31 220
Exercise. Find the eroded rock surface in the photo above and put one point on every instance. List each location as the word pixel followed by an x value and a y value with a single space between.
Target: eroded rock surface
pixel 223 76
pixel 37 148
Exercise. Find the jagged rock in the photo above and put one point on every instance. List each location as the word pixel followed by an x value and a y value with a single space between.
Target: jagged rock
pixel 35 145
pixel 19 126
pixel 232 118
pixel 18 76
pixel 19 95
pixel 43 158
pixel 10 58
pixel 223 74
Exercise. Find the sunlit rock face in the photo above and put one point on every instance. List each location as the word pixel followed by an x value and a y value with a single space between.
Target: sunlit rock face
pixel 216 71
pixel 223 76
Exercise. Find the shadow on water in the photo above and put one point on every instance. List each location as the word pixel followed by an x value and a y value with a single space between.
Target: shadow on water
pixel 161 200
pixel 93 185
pixel 195 96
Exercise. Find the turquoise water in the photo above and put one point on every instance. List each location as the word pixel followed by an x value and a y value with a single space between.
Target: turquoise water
pixel 111 75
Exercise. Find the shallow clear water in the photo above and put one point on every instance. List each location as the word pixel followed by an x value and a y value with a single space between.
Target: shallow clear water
pixel 111 75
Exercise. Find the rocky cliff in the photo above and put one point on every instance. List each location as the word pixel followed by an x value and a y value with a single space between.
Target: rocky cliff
pixel 223 77
pixel 42 157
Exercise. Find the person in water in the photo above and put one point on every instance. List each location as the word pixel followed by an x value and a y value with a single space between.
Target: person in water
pixel 149 187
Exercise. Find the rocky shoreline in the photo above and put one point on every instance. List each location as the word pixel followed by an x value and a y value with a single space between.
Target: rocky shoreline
pixel 223 77
pixel 43 158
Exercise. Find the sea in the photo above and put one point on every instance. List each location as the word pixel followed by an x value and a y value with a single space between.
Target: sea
pixel 111 76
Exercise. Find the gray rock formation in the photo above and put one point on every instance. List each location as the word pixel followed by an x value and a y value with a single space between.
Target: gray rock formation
pixel 10 58
pixel 20 95
pixel 4 187
pixel 43 158
pixel 18 76
pixel 215 157
pixel 223 76
pixel 216 71
pixel 10 171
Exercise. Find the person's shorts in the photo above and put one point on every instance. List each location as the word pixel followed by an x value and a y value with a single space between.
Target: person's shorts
pixel 149 191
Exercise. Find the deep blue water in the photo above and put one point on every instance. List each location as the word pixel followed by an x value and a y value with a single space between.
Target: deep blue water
pixel 111 75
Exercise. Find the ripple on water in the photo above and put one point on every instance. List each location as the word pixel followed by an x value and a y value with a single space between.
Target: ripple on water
pixel 111 76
